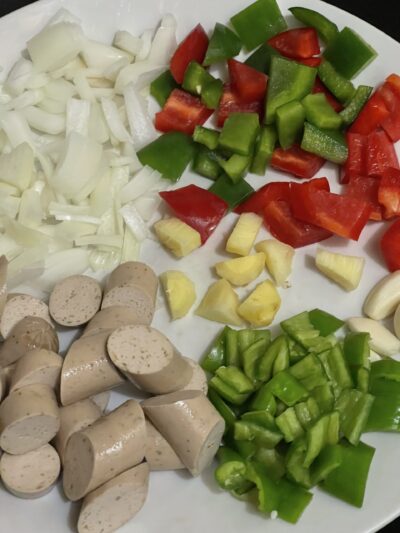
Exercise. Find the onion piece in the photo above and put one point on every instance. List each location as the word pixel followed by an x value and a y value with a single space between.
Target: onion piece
pixel 141 183
pixel 9 247
pixel 101 56
pixel 147 205
pixel 130 248
pixel 28 98
pixel 71 230
pixel 8 190
pixel 19 76
pixel 27 265
pixel 16 128
pixel 78 114
pixel 112 241
pixel 70 70
pixel 60 90
pixel 97 127
pixel 114 121
pixel 101 260
pixel 42 121
pixel 30 209
pixel 134 222
pixel 135 72
pixel 164 42
pixel 26 237
pixel 16 168
pixel 82 86
pixel 52 106
pixel 145 39
pixel 140 123
pixel 9 206
pixel 127 42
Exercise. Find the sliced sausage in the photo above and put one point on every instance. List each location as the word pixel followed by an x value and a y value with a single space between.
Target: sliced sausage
pixel 101 400
pixel 3 282
pixel 30 333
pixel 29 418
pixel 73 418
pixel 116 502
pixel 198 381
pixel 113 444
pixel 87 369
pixel 75 300
pixel 159 453
pixel 37 366
pixel 19 307
pixel 131 296
pixel 32 474
pixel 148 359
pixel 190 423
pixel 114 317
pixel 3 384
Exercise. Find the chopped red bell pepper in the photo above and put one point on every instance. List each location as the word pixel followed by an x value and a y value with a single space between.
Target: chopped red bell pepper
pixel 380 153
pixel 371 116
pixel 281 223
pixel 310 61
pixel 366 188
pixel 394 80
pixel 276 190
pixel 247 82
pixel 298 43
pixel 296 161
pixel 181 112
pixel 192 48
pixel 231 103
pixel 319 87
pixel 389 192
pixel 390 246
pixel 391 124
pixel 197 207
pixel 356 164
pixel 341 215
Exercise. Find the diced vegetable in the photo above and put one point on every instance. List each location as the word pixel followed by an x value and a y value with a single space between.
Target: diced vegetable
pixel 206 136
pixel 290 121
pixel 297 43
pixel 205 163
pixel 180 292
pixel 278 259
pixel 390 246
pixel 232 193
pixel 261 58
pixel 329 144
pixel 338 85
pixel 261 306
pixel 326 29
pixel 247 82
pixel 296 161
pixel 264 149
pixel 162 87
pixel 372 115
pixel 231 103
pixel 224 44
pixel 345 270
pixel 242 270
pixel 220 304
pixel 320 113
pixel 244 234
pixel 192 48
pixel 355 105
pixel 239 133
pixel 177 236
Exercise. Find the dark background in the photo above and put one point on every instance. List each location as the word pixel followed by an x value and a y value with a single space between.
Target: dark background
pixel 385 15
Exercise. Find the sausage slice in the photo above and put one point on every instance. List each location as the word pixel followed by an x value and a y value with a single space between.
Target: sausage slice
pixel 198 381
pixel 87 369
pixel 29 418
pixel 113 444
pixel 191 425
pixel 148 359
pixel 19 307
pixel 159 453
pixel 102 400
pixel 114 317
pixel 37 366
pixel 32 474
pixel 116 502
pixel 3 384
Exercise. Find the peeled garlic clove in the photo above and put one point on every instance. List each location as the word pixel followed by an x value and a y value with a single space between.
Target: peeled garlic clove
pixel 383 299
pixel 382 340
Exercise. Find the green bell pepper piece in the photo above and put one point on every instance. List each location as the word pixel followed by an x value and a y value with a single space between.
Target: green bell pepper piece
pixel 162 87
pixel 326 29
pixel 272 462
pixel 233 193
pixel 231 475
pixel 339 86
pixel 232 355
pixel 361 379
pixel 385 413
pixel 356 351
pixel 329 144
pixel 211 93
pixel 206 136
pixel 354 408
pixel 264 400
pixel 323 433
pixel 205 163
pixel 295 469
pixel 245 338
pixel 336 369
pixel 293 501
pixel 261 58
pixel 251 356
pixel 296 351
pixel 268 491
pixel 223 44
pixel 262 334
pixel 258 22
pixel 196 77
pixel 324 397
pixel 381 386
pixel 282 362
pixel 235 378
pixel 327 461
pixel 215 356
pixel 170 154
pixel 277 348
pixel 267 436
pixel 307 412
pixel 290 121
pixel 289 425
pixel 264 149
pixel 349 53
pixel 348 481
pixel 319 112
pixel 239 133
pixel 227 391
pixel 226 454
pixel 287 388
pixel 385 368
pixel 246 448
pixel 300 328
pixel 288 81
pixel 355 104
pixel 324 322
pixel 236 166
pixel 309 372
pixel 225 410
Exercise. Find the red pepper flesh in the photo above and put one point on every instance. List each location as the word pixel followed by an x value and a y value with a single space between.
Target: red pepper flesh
pixel 389 192
pixel 298 43
pixel 310 61
pixel 319 87
pixel 390 246
pixel 247 82
pixel 231 103
pixel 296 161
pixel 356 164
pixel 366 188
pixel 192 48
pixel 380 153
pixel 276 190
pixel 391 124
pixel 371 116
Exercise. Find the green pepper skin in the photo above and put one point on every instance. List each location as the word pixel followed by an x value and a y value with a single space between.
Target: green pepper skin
pixel 233 194
pixel 329 144
pixel 338 85
pixel 261 58
pixel 326 29
pixel 162 87
pixel 324 322
pixel 355 105
pixel 224 44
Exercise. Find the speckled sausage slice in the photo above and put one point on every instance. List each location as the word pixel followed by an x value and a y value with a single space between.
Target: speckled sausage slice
pixel 112 318
pixel 32 474
pixel 131 296
pixel 148 359
pixel 3 282
pixel 3 384
pixel 29 418
pixel 102 400
pixel 19 307
pixel 190 423
pixel 113 444
pixel 30 333
pixel 73 418
pixel 75 300
pixel 116 502
pixel 198 381
pixel 159 453
pixel 87 369
pixel 37 366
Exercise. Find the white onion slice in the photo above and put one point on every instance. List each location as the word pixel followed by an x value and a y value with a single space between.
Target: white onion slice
pixel 78 115
pixel 43 121
pixel 101 56
pixel 114 121
pixel 127 42
pixel 140 123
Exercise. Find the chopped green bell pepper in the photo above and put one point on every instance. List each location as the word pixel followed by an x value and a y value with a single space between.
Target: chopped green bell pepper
pixel 380 386
pixel 290 121
pixel 211 93
pixel 324 322
pixel 264 434
pixel 307 412
pixel 227 391
pixel 239 133
pixel 300 328
pixel 287 388
pixel 385 368
pixel 296 351
pixel 282 362
pixel 309 372
pixel 225 410
pixel 385 413
pixel 162 87
pixel 355 104
pixel 295 469
pixel 245 338
pixel 232 356
pixel 231 475
pixel 226 454
pixel 323 433
pixel 329 144
pixel 196 77
pixel 236 166
pixel 235 378
pixel 337 370
pixel 289 425
pixel 205 163
pixel 327 461
pixel 326 29
pixel 268 491
pixel 319 112
pixel 251 356
pixel 223 44
pixel 354 408
pixel 339 86
pixel 264 400
pixel 349 53
pixel 356 351
pixel 215 356
pixel 258 22
pixel 261 58
pixel 233 193
pixel 293 501
pixel 206 136
pixel 324 397
pixel 264 149
pixel 277 348
pixel 272 461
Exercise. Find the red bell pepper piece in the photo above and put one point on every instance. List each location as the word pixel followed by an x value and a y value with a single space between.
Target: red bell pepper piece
pixel 341 215
pixel 394 80
pixel 366 188
pixel 281 223
pixel 319 87
pixel 298 43
pixel 389 192
pixel 276 190
pixel 391 124
pixel 371 116
pixel 247 82
pixel 356 164
pixel 380 153
pixel 231 103
pixel 181 112
pixel 310 61
pixel 390 246
pixel 192 48
pixel 296 161
pixel 197 207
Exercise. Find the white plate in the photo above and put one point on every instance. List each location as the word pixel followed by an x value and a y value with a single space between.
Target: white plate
pixel 177 503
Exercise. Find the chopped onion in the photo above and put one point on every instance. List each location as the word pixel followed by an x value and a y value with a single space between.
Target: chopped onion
pixel 101 56
pixel 145 38
pixel 147 205
pixel 82 86
pixel 27 265
pixel 9 206
pixel 164 42
pixel 26 237
pixel 141 183
pixel 16 168
pixel 8 190
pixel 16 128
pixel 114 121
pixel 38 80
pixel 140 123
pixel 97 127
pixel 43 121
pixel 9 247
pixel 134 222
pixel 30 209
pixel 63 15
pixel 19 76
pixel 78 114
pixel 60 90
pixel 133 74
pixel 27 98
pixel 127 42
pixel 52 106
pixel 70 70
pixel 130 248
pixel 71 230
pixel 112 241
pixel 111 72
pixel 101 260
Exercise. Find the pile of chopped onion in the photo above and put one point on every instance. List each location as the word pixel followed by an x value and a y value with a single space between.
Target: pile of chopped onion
pixel 73 113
